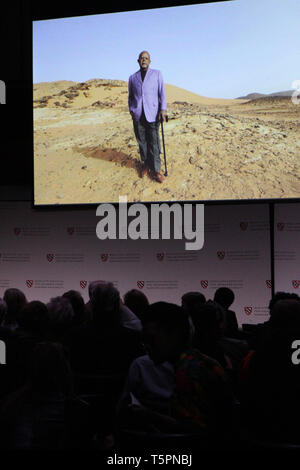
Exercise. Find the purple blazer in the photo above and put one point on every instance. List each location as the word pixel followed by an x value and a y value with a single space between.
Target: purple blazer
pixel 149 93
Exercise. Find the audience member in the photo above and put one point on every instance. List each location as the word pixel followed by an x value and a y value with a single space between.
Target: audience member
pixel 78 305
pixel 60 320
pixel 104 346
pixel 32 321
pixel 263 330
pixel 191 301
pixel 269 385
pixel 225 297
pixel 195 363
pixel 136 301
pixel 34 416
pixel 202 400
pixel 148 383
pixel 15 300
pixel 127 318
pixel 208 323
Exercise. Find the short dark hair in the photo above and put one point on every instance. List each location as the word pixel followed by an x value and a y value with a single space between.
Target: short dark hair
pixel 77 302
pixel 208 321
pixel 169 317
pixel 15 300
pixel 192 300
pixel 286 313
pixel 224 296
pixel 60 316
pixel 280 295
pixel 137 301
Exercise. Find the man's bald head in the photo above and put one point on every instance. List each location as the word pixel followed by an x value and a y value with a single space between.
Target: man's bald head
pixel 144 60
pixel 143 52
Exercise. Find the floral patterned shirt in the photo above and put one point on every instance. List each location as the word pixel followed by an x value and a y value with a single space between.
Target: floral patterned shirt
pixel 202 394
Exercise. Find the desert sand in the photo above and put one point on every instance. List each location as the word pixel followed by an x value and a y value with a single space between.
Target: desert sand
pixel 85 149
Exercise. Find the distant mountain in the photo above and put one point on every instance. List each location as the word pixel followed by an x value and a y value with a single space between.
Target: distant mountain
pixel 255 96
pixel 251 96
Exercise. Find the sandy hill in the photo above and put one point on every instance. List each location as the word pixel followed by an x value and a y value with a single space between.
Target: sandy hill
pixel 106 93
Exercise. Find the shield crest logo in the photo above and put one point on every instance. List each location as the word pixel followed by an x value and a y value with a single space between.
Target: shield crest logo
pixel 295 283
pixel 243 225
pixel 50 257
pixel 17 230
pixel 29 283
pixel 160 256
pixel 104 257
pixel 83 284
pixel 140 284
pixel 280 226
pixel 204 283
pixel 248 310
pixel 221 254
pixel 70 230
pixel 269 283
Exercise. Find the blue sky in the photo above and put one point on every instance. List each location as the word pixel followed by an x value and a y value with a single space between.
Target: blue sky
pixel 221 50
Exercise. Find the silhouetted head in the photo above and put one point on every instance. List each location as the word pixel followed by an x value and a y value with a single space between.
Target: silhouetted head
pixel 208 322
pixel 281 296
pixel 286 314
pixel 166 331
pixel 15 300
pixel 105 303
pixel 92 286
pixel 190 301
pixel 136 301
pixel 78 305
pixel 60 317
pixel 224 296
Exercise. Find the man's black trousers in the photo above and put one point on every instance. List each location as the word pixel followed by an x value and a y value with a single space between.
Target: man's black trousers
pixel 147 136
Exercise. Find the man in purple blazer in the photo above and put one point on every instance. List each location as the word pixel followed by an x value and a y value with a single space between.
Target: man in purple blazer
pixel 147 106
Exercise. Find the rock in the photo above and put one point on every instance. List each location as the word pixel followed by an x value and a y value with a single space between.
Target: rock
pixel 84 167
pixel 71 95
pixel 192 160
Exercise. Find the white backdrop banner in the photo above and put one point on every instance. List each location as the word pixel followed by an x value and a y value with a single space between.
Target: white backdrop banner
pixel 287 247
pixel 46 252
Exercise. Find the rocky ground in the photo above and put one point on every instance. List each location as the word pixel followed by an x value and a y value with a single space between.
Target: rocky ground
pixel 85 150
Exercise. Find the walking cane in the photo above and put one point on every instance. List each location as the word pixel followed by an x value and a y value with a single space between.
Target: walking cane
pixel 163 140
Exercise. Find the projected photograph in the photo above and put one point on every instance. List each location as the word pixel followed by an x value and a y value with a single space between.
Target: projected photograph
pixel 198 102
